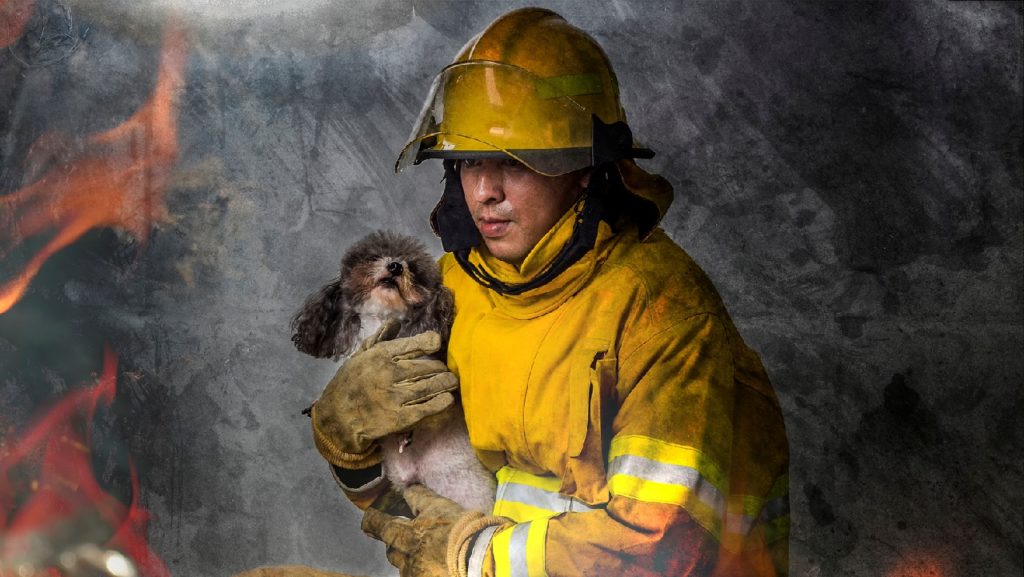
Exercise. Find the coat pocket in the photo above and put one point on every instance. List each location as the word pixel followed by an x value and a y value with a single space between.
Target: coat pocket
pixel 592 383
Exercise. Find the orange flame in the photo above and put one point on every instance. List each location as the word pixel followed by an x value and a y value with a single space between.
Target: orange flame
pixel 65 487
pixel 118 181
pixel 13 16
pixel 920 565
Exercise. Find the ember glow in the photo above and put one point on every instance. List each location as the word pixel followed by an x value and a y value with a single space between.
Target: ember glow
pixel 920 565
pixel 55 514
pixel 118 180
pixel 13 16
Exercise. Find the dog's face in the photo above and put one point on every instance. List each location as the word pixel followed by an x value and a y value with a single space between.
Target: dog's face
pixel 383 285
pixel 386 276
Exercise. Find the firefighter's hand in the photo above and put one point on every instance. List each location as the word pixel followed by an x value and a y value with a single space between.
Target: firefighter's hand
pixel 418 546
pixel 436 541
pixel 384 388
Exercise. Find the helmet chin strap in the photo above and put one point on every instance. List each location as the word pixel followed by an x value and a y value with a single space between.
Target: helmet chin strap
pixel 454 224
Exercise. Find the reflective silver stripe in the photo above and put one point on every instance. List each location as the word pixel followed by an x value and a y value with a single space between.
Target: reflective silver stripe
pixel 777 507
pixel 499 495
pixel 479 550
pixel 738 523
pixel 650 470
pixel 517 551
pixel 534 497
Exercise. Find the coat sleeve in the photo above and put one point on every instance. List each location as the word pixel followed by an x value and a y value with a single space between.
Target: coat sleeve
pixel 361 486
pixel 687 494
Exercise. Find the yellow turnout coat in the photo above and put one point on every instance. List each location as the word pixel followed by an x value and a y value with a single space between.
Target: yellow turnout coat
pixel 622 413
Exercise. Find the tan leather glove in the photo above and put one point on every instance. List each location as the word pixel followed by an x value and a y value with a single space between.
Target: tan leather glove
pixel 436 542
pixel 383 389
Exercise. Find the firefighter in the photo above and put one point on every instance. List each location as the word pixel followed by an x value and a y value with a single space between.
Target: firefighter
pixel 631 430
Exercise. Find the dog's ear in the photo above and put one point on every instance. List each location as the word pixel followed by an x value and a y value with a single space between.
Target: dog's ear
pixel 347 333
pixel 321 324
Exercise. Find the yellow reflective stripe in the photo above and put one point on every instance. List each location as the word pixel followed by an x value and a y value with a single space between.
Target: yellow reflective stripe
pixel 520 512
pixel 509 474
pixel 665 482
pixel 665 474
pixel 522 496
pixel 568 85
pixel 500 550
pixel 657 471
pixel 669 454
pixel 653 492
pixel 519 550
pixel 536 553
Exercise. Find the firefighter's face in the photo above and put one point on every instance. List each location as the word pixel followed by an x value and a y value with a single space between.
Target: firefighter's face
pixel 512 206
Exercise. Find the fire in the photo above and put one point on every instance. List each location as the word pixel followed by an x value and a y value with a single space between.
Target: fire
pixel 920 565
pixel 13 16
pixel 118 180
pixel 61 515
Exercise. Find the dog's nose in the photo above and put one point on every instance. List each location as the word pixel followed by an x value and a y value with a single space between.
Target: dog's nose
pixel 395 268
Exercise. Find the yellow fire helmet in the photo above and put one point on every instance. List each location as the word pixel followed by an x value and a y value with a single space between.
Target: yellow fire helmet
pixel 533 87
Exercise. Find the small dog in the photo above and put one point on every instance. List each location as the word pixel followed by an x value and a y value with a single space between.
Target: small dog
pixel 388 276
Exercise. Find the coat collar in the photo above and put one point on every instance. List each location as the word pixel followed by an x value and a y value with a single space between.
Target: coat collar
pixel 549 296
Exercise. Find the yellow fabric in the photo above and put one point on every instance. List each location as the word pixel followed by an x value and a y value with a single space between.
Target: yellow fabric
pixel 521 557
pixel 507 475
pixel 464 532
pixel 628 354
pixel 535 547
pixel 668 453
pixel 522 496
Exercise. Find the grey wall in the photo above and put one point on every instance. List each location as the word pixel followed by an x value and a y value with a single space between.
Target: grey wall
pixel 849 174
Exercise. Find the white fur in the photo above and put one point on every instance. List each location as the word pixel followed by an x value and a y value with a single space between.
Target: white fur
pixel 441 458
pixel 372 314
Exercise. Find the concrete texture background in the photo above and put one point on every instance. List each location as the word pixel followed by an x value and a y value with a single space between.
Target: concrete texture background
pixel 849 174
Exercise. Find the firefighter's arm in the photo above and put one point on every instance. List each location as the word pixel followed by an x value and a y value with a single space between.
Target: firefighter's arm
pixel 666 471
pixel 361 486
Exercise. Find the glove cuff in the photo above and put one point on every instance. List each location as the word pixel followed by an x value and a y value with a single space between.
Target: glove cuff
pixel 339 458
pixel 464 531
